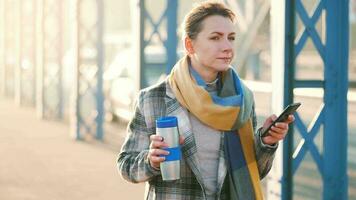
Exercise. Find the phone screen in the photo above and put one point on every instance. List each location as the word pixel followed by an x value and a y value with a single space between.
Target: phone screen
pixel 290 109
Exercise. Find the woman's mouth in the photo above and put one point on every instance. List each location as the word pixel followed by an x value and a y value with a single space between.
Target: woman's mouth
pixel 225 59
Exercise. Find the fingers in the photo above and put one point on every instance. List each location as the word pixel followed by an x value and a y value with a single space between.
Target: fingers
pixel 290 119
pixel 157 142
pixel 155 158
pixel 278 131
pixel 274 136
pixel 273 117
pixel 156 138
pixel 280 127
pixel 181 140
pixel 277 136
pixel 269 121
pixel 155 153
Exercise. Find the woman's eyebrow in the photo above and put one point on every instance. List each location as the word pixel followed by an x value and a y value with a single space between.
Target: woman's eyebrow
pixel 221 33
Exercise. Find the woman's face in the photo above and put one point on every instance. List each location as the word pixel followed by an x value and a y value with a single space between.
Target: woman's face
pixel 212 49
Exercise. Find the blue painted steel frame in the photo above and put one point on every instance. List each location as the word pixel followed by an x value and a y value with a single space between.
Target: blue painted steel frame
pixel 98 90
pixel 289 62
pixel 332 165
pixel 309 135
pixel 170 44
pixel 335 98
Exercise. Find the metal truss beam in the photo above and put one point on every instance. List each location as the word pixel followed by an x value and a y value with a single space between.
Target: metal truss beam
pixel 331 160
pixel 167 37
pixel 89 100
pixel 49 84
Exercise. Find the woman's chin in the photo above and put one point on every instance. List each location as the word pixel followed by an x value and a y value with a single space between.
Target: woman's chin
pixel 223 67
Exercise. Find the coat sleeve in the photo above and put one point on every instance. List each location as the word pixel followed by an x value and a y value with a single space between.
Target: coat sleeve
pixel 132 162
pixel 264 153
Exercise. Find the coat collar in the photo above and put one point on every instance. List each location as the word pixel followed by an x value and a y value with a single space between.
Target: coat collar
pixel 189 149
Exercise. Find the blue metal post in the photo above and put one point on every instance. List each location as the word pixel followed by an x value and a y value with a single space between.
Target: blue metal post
pixel 89 118
pixel 331 161
pixel 289 67
pixel 171 42
pixel 335 98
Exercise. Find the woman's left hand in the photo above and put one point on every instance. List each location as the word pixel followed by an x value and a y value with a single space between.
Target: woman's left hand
pixel 278 131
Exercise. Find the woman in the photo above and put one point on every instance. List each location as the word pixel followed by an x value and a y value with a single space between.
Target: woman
pixel 223 157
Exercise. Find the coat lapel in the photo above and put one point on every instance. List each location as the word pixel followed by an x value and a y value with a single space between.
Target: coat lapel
pixel 189 149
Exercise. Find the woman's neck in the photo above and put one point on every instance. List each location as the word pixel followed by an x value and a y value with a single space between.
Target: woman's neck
pixel 207 75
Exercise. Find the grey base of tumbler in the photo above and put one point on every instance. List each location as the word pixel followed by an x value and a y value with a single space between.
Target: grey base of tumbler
pixel 170 170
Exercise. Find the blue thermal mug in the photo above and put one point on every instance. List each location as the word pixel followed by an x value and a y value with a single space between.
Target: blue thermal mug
pixel 167 127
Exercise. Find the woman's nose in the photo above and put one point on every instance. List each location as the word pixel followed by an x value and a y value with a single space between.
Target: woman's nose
pixel 227 45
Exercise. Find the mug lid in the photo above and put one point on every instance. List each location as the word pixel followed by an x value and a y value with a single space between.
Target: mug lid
pixel 166 122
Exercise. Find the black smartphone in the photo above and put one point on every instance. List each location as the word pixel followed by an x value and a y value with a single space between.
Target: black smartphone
pixel 290 109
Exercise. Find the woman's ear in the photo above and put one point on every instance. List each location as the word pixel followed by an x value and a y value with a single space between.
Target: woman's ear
pixel 188 45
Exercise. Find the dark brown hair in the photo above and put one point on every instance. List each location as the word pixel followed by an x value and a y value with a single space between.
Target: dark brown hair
pixel 193 20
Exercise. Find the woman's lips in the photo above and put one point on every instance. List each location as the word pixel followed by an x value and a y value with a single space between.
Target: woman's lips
pixel 225 59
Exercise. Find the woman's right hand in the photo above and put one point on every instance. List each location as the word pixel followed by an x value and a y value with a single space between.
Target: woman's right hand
pixel 155 152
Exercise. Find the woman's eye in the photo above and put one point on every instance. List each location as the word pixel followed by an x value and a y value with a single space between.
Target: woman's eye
pixel 232 38
pixel 215 38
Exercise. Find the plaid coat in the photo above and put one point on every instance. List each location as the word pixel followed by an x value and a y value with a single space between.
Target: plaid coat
pixel 132 163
